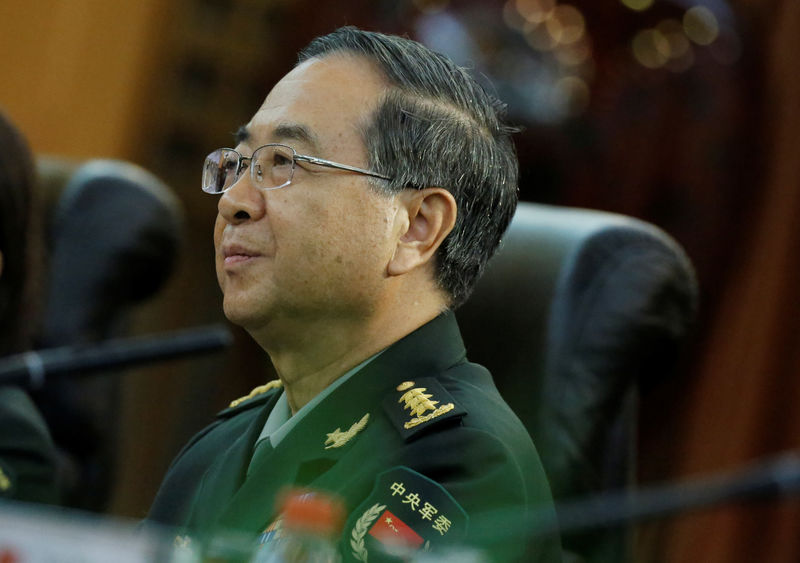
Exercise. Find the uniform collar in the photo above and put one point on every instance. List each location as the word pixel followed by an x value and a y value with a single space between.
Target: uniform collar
pixel 429 350
pixel 281 421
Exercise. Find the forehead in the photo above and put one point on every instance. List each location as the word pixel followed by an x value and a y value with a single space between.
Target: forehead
pixel 321 104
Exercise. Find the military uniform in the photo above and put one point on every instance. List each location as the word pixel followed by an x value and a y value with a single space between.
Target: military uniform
pixel 27 453
pixel 418 444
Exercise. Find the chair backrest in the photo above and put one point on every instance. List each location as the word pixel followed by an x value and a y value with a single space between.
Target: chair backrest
pixel 114 234
pixel 576 310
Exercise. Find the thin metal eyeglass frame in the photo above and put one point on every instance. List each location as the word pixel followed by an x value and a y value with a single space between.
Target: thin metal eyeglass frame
pixel 244 161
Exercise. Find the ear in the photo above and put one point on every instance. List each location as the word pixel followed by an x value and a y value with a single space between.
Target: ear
pixel 428 217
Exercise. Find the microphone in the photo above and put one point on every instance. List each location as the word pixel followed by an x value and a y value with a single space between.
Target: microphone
pixel 31 369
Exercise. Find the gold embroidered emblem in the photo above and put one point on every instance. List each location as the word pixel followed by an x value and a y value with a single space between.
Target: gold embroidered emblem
pixel 337 438
pixel 405 385
pixel 256 392
pixel 360 530
pixel 5 482
pixel 421 407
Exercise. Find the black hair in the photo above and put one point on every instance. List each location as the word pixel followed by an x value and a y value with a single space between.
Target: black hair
pixel 19 239
pixel 436 126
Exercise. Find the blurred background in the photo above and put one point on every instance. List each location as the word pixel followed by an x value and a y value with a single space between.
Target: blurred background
pixel 685 113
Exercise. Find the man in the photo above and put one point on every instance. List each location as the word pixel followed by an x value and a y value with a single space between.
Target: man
pixel 359 207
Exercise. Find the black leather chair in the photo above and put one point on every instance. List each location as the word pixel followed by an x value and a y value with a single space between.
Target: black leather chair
pixel 576 311
pixel 113 235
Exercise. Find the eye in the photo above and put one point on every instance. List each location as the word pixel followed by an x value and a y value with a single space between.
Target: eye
pixel 280 158
pixel 229 162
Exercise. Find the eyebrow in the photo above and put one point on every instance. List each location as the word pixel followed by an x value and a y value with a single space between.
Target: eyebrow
pixel 283 132
pixel 242 134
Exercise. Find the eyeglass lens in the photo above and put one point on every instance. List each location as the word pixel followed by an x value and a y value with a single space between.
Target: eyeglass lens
pixel 271 167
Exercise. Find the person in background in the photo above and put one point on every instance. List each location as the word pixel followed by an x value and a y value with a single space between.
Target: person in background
pixel 357 210
pixel 27 454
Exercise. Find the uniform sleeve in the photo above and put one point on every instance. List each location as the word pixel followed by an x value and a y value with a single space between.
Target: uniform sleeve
pixel 455 487
pixel 499 485
pixel 28 459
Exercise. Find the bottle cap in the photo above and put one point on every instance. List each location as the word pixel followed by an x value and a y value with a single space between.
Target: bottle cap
pixel 312 512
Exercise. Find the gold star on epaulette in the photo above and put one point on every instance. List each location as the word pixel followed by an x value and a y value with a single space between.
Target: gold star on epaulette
pixel 337 438
pixel 256 392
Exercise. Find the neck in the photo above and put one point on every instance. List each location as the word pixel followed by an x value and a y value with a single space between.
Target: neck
pixel 310 356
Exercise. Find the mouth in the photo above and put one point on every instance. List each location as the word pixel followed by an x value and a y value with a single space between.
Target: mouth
pixel 236 254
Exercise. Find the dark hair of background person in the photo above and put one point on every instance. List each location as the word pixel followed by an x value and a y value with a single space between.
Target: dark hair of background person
pixel 438 127
pixel 28 458
pixel 19 241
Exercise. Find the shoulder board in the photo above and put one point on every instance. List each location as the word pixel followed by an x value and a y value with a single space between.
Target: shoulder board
pixel 419 404
pixel 406 512
pixel 254 397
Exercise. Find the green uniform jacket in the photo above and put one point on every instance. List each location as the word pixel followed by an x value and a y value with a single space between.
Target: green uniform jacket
pixel 440 457
pixel 27 453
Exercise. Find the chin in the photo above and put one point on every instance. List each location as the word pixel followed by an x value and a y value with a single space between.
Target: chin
pixel 244 315
pixel 237 313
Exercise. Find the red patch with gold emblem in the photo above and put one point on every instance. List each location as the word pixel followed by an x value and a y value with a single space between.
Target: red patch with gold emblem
pixel 391 531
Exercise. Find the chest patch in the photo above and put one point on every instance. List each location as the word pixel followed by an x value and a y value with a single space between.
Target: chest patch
pixel 405 512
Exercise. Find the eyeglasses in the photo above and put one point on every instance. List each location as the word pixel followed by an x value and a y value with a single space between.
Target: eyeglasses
pixel 271 167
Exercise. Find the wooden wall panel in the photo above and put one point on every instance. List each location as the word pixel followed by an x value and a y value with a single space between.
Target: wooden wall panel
pixel 743 406
pixel 73 75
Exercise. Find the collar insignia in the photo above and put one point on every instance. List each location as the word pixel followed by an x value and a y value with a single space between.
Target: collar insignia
pixel 337 438
pixel 260 390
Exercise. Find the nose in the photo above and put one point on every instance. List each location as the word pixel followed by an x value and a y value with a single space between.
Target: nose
pixel 242 201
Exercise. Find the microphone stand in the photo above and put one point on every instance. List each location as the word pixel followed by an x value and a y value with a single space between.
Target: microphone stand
pixel 32 369
pixel 774 478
